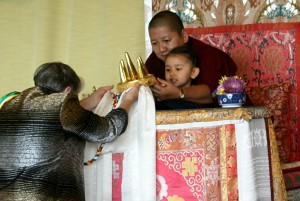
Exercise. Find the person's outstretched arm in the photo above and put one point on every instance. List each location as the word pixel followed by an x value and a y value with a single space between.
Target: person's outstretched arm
pixel 95 128
pixel 90 102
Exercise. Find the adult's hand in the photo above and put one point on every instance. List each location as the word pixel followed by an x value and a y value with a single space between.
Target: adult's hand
pixel 130 97
pixel 164 90
pixel 90 102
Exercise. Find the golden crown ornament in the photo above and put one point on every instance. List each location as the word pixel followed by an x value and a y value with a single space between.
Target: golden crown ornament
pixel 129 75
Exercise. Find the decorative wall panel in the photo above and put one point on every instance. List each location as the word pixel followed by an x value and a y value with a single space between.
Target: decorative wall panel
pixel 208 13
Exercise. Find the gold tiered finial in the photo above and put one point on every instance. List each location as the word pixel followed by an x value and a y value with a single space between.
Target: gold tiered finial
pixel 142 71
pixel 131 69
pixel 124 75
pixel 129 75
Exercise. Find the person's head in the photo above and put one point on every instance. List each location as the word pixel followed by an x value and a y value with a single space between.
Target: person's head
pixel 166 31
pixel 181 67
pixel 55 77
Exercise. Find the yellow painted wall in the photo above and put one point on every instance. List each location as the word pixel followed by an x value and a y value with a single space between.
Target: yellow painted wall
pixel 89 35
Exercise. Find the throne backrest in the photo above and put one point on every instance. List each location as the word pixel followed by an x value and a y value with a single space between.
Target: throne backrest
pixel 266 57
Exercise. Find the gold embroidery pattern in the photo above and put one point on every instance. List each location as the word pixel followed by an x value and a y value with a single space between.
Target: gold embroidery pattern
pixel 215 114
pixel 278 182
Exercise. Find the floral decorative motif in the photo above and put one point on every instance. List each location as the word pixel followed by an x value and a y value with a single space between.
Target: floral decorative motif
pixel 176 161
pixel 207 4
pixel 209 13
pixel 241 56
pixel 268 58
pixel 273 59
pixel 212 171
pixel 289 10
pixel 232 84
pixel 161 187
pixel 276 99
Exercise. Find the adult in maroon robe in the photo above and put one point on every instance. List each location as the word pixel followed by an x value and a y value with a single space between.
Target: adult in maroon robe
pixel 166 32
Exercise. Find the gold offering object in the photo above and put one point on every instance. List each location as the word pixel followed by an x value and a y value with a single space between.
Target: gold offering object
pixel 129 75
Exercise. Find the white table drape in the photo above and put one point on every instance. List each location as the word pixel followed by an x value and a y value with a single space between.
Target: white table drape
pixel 138 146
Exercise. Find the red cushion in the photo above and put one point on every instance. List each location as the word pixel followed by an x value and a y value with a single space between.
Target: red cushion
pixel 291 175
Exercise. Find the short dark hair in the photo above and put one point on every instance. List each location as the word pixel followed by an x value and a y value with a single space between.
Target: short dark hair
pixel 185 51
pixel 55 77
pixel 168 19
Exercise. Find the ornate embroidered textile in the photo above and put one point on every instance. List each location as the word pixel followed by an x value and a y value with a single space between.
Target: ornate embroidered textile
pixel 265 55
pixel 220 154
pixel 211 13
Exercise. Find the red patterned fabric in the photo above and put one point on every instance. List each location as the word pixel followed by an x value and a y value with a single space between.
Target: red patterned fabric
pixel 291 175
pixel 117 175
pixel 276 99
pixel 265 55
pixel 188 164
pixel 292 178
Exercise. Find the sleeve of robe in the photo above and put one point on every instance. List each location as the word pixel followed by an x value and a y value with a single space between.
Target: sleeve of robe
pixel 89 126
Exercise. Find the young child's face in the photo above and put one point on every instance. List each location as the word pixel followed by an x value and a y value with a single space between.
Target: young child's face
pixel 179 70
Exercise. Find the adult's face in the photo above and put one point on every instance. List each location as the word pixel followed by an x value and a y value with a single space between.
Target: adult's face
pixel 163 40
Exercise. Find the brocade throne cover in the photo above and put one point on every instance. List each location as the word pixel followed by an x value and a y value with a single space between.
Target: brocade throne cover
pixel 266 55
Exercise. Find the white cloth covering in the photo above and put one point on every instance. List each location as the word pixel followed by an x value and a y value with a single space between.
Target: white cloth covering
pixel 138 146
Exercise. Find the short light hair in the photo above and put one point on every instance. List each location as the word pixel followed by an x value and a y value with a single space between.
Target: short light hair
pixel 168 19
